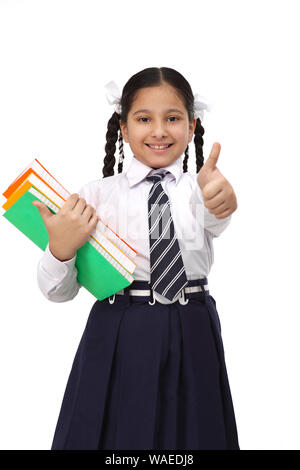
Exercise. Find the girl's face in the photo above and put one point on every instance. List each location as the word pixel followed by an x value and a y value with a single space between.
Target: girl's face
pixel 158 117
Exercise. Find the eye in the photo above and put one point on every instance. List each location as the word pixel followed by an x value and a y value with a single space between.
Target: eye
pixel 171 117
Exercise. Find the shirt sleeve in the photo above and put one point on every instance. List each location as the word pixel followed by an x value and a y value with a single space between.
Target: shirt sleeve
pixel 209 221
pixel 57 279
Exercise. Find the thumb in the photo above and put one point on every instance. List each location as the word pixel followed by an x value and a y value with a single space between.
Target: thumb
pixel 43 210
pixel 212 160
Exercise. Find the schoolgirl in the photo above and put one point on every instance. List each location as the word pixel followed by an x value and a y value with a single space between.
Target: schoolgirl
pixel 149 372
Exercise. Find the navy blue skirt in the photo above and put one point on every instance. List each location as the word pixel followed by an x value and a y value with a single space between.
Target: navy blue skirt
pixel 149 377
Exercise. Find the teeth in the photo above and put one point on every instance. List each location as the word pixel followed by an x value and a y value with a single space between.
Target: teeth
pixel 158 146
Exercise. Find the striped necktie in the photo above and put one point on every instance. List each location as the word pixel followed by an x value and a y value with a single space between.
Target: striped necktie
pixel 167 273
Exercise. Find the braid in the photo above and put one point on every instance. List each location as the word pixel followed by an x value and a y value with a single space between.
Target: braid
pixel 121 153
pixel 198 140
pixel 113 126
pixel 185 161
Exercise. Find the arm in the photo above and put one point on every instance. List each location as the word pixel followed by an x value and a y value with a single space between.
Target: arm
pixel 215 226
pixel 216 194
pixel 57 279
pixel 68 230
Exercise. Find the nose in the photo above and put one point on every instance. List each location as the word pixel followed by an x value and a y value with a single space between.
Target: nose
pixel 158 129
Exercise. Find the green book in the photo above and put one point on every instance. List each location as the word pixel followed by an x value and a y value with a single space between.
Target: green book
pixel 95 272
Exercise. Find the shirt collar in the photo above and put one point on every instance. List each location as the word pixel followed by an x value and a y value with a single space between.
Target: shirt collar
pixel 138 171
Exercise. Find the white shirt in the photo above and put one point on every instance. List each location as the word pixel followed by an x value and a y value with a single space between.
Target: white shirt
pixel 121 201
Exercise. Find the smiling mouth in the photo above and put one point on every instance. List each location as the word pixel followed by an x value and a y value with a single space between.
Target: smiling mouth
pixel 158 147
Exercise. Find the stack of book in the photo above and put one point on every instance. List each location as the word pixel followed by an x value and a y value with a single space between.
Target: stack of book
pixel 105 263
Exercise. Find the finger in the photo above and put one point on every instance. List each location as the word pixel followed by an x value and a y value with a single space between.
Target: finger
pixel 43 210
pixel 86 210
pixel 221 208
pixel 94 220
pixel 81 206
pixel 212 189
pixel 215 202
pixel 212 160
pixel 224 214
pixel 71 202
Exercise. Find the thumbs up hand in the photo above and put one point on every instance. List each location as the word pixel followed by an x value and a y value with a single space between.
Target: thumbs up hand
pixel 218 194
pixel 70 228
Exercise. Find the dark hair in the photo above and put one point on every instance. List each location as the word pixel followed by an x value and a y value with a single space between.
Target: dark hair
pixel 152 76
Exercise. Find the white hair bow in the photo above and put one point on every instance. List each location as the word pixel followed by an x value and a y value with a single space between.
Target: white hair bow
pixel 200 104
pixel 113 96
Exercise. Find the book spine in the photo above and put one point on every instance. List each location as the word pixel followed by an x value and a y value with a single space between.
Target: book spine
pixel 128 264
pixel 45 190
pixel 116 239
pixel 112 261
pixel 45 175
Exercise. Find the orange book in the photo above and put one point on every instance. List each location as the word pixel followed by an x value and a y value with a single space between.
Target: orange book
pixel 37 168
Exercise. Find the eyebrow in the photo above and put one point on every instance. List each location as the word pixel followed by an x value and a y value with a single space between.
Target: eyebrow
pixel 149 111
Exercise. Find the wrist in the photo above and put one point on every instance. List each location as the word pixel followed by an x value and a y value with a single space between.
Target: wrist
pixel 61 255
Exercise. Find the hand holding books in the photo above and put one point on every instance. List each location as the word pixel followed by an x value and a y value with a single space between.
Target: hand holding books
pixel 105 262
pixel 70 228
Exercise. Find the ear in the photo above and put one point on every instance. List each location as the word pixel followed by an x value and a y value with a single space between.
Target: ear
pixel 192 127
pixel 124 131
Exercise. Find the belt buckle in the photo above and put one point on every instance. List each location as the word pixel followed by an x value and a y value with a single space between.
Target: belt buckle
pixel 182 298
pixel 152 296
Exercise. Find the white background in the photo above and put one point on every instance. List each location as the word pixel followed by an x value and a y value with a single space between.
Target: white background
pixel 243 56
